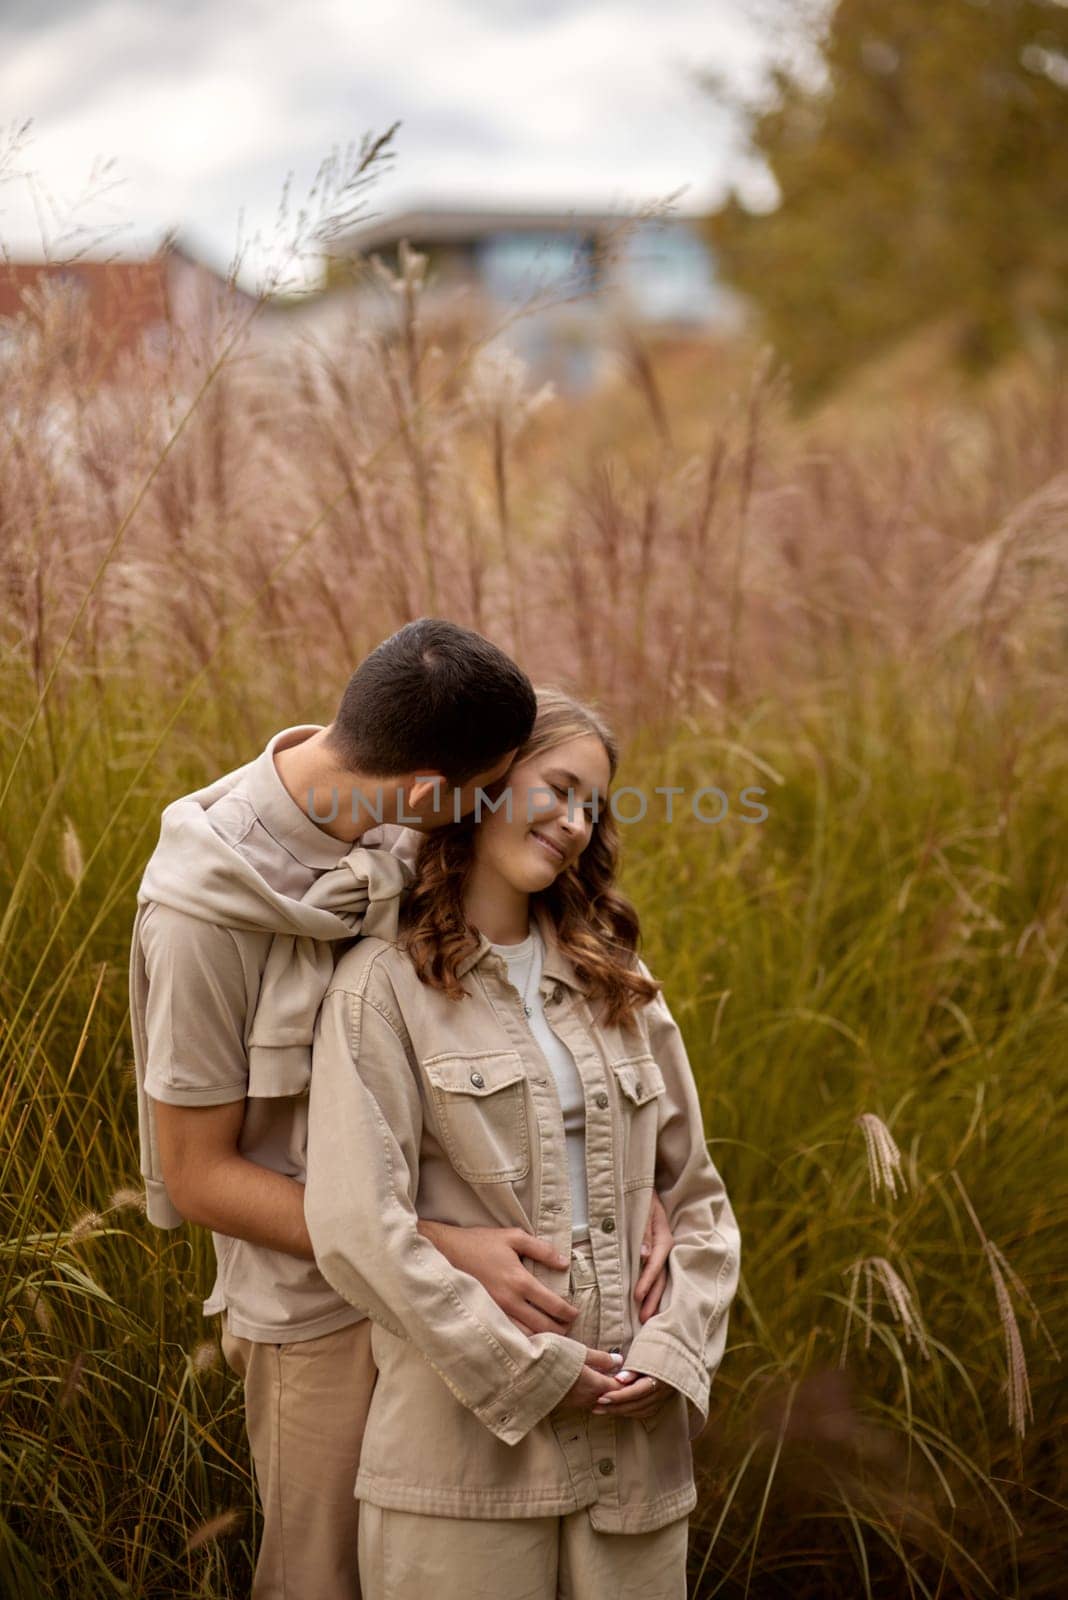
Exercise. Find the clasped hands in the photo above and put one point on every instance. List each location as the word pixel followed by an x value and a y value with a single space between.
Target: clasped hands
pixel 495 1257
pixel 604 1390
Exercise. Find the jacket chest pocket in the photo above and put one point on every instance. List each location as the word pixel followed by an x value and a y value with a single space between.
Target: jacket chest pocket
pixel 641 1094
pixel 480 1098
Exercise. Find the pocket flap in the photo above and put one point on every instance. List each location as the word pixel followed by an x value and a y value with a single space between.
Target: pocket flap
pixel 475 1072
pixel 639 1077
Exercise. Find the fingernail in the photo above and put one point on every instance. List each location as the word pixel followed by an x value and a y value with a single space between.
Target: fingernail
pixel 616 1358
pixel 624 1374
pixel 644 1251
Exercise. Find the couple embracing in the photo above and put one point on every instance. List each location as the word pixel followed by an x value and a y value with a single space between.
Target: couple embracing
pixel 396 1048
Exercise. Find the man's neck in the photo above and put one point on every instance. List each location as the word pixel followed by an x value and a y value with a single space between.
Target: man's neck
pixel 345 805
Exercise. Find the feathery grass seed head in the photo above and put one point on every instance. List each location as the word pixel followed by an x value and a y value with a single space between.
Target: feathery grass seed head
pixel 213 1528
pixel 884 1157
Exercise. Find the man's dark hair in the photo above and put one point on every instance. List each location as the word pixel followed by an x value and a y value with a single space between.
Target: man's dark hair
pixel 433 697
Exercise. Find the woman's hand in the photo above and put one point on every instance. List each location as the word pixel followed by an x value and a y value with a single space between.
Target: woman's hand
pixel 598 1377
pixel 656 1247
pixel 637 1395
pixel 494 1257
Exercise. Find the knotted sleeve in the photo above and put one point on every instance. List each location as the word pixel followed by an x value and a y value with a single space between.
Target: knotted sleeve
pixel 364 892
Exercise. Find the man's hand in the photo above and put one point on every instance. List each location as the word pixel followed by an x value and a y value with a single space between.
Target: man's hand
pixel 596 1379
pixel 656 1247
pixel 494 1257
pixel 634 1395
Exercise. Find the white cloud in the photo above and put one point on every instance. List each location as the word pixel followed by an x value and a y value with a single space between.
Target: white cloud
pixel 206 107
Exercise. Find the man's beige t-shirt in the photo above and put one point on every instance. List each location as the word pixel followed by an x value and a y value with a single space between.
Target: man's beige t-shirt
pixel 203 986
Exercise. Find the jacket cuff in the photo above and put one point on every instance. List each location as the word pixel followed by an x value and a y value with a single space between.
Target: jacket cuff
pixel 658 1353
pixel 512 1414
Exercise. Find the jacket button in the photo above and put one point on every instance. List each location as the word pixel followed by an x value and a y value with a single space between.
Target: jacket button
pixel 505 1416
pixel 478 1080
pixel 608 1225
pixel 606 1466
pixel 615 1350
pixel 601 1099
pixel 557 995
pixel 637 1088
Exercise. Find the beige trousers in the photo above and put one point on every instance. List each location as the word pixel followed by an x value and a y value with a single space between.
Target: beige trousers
pixel 305 1409
pixel 406 1556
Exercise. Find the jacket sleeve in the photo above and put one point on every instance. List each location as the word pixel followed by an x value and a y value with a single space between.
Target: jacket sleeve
pixel 684 1342
pixel 364 1130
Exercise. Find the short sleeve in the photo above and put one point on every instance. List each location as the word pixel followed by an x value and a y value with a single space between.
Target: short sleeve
pixel 195 1010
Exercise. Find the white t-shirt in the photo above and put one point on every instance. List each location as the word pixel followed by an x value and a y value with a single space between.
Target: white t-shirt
pixel 524 972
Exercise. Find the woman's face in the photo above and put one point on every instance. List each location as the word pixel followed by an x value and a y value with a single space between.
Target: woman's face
pixel 540 840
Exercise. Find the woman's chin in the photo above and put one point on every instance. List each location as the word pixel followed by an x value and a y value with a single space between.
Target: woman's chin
pixel 527 870
pixel 530 877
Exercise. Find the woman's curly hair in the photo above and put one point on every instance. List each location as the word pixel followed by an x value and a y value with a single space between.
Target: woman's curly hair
pixel 595 924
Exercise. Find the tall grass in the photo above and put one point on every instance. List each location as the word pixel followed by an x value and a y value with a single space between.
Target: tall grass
pixel 870 981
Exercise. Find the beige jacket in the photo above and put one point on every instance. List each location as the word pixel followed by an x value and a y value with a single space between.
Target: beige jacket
pixel 421 1106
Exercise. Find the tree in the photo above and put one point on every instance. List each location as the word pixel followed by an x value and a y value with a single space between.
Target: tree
pixel 922 171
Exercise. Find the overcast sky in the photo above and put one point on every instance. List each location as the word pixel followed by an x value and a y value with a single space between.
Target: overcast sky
pixel 203 106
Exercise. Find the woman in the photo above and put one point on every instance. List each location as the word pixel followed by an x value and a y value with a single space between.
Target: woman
pixel 508 1060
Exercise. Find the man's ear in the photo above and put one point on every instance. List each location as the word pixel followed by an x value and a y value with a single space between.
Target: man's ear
pixel 425 793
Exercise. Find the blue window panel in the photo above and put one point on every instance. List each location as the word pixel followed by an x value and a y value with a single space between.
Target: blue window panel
pixel 514 266
pixel 666 274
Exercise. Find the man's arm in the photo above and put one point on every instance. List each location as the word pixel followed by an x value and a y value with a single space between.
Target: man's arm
pixel 196 1082
pixel 197 1076
pixel 212 1184
pixel 215 1186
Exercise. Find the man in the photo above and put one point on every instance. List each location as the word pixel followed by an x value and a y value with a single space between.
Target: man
pixel 251 893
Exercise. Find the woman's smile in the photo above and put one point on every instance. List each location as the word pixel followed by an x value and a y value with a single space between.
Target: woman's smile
pixel 553 851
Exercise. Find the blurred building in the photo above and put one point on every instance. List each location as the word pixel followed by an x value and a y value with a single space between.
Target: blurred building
pixel 137 308
pixel 564 281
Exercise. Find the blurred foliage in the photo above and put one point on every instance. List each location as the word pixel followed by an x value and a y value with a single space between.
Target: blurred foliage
pixel 919 154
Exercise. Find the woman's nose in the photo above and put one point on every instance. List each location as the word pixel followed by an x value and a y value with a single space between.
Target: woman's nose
pixel 573 826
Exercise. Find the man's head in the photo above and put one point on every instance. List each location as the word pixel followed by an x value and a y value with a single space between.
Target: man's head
pixel 433 698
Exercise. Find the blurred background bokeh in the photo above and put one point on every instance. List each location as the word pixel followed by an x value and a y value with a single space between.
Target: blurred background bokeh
pixel 709 358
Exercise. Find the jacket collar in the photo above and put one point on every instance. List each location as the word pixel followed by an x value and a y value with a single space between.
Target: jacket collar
pixel 557 963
